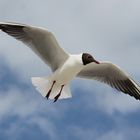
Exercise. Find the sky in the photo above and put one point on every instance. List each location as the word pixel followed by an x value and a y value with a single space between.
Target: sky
pixel 107 29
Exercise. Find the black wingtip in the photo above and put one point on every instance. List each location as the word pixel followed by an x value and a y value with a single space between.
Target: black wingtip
pixel 4 26
pixel 11 28
pixel 132 88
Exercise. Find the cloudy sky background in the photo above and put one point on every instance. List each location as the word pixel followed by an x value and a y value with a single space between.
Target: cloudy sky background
pixel 108 29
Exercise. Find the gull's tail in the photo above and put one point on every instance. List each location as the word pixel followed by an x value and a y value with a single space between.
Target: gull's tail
pixel 43 85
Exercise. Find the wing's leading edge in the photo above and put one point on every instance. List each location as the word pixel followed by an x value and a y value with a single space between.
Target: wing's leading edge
pixel 112 75
pixel 40 40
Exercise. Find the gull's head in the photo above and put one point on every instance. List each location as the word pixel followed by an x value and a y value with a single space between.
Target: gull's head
pixel 87 58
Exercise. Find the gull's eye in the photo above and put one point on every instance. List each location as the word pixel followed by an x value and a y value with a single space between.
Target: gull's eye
pixel 89 57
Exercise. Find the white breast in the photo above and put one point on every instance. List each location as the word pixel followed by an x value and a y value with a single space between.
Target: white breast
pixel 69 70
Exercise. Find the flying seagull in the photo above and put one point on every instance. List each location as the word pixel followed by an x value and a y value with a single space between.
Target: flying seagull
pixel 66 66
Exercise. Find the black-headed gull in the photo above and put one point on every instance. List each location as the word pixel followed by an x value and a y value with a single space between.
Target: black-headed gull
pixel 66 66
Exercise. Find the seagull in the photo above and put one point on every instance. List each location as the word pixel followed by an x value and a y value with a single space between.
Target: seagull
pixel 65 66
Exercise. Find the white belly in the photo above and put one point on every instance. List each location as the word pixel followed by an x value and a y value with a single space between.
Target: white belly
pixel 61 76
pixel 67 72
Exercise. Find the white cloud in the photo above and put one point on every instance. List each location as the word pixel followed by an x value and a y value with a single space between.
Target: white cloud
pixel 13 102
pixel 113 102
pixel 112 135
pixel 32 109
pixel 83 133
pixel 46 126
pixel 104 98
pixel 116 133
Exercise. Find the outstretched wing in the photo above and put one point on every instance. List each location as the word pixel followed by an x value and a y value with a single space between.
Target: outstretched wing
pixel 113 76
pixel 40 40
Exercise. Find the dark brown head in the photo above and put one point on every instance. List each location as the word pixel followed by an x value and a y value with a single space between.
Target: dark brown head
pixel 87 58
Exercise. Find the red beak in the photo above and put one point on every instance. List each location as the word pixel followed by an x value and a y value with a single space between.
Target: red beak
pixel 97 62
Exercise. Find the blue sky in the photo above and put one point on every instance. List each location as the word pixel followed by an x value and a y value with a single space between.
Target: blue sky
pixel 110 31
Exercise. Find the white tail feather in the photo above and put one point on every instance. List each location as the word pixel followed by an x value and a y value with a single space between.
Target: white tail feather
pixel 43 85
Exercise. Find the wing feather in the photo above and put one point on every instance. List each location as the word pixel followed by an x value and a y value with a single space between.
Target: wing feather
pixel 112 75
pixel 40 40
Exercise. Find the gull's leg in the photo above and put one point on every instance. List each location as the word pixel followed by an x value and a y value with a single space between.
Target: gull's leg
pixel 48 94
pixel 57 96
